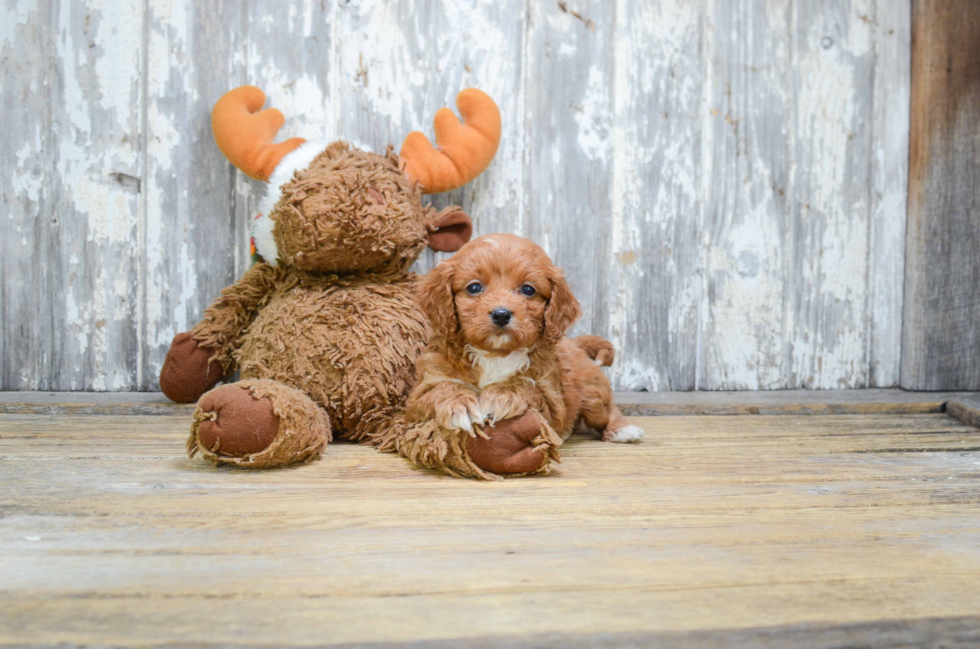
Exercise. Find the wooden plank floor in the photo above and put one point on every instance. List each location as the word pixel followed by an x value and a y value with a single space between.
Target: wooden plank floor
pixel 714 528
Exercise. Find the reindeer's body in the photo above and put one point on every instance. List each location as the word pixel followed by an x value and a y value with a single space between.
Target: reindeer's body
pixel 353 348
pixel 349 344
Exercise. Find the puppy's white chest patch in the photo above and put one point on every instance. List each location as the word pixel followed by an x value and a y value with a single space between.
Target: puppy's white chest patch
pixel 497 369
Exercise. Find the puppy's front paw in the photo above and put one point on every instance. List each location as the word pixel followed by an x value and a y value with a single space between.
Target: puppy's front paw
pixel 460 415
pixel 497 406
pixel 625 434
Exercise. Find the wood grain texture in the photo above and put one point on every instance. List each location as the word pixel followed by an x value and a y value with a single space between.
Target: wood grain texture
pixel 942 272
pixel 804 218
pixel 109 536
pixel 748 213
pixel 965 409
pixel 892 32
pixel 648 284
pixel 191 199
pixel 949 633
pixel 70 170
pixel 723 182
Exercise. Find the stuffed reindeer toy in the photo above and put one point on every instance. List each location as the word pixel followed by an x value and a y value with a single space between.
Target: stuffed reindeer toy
pixel 325 329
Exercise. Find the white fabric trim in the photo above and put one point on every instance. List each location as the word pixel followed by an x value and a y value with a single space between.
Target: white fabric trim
pixel 265 243
pixel 296 160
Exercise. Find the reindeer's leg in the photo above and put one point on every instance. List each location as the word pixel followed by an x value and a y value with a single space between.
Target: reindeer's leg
pixel 258 423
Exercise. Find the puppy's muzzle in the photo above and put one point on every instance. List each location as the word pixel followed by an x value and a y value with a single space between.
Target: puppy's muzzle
pixel 501 316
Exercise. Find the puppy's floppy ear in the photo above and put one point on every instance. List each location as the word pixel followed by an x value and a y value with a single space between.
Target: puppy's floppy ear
pixel 435 296
pixel 562 309
pixel 449 230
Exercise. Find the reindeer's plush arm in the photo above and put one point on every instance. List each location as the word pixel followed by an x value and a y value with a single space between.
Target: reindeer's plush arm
pixel 200 358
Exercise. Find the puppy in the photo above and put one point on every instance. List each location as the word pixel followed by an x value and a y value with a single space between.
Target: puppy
pixel 499 309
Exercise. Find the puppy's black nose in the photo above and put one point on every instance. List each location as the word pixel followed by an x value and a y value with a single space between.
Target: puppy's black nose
pixel 500 316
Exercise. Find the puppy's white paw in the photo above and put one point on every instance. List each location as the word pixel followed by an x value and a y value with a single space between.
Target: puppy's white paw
pixel 630 433
pixel 488 416
pixel 461 420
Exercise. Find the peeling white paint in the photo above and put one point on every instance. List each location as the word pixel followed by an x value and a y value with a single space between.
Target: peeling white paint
pixel 84 164
pixel 723 146
pixel 166 136
pixel 887 236
pixel 119 42
pixel 167 145
pixel 592 119
pixel 15 18
pixel 27 181
pixel 655 158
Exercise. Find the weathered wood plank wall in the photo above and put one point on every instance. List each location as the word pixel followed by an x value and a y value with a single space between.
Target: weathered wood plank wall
pixel 942 280
pixel 724 182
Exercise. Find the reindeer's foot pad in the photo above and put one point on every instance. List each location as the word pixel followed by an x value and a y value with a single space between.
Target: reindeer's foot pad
pixel 258 424
pixel 519 445
pixel 236 423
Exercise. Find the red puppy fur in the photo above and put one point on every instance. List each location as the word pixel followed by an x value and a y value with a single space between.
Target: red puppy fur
pixel 499 309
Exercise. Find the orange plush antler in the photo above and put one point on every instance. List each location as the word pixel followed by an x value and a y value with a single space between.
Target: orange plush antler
pixel 244 133
pixel 462 150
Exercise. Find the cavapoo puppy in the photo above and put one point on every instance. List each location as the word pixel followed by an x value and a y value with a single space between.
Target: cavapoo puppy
pixel 499 309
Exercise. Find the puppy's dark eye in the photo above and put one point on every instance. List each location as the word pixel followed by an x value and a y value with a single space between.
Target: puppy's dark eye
pixel 528 290
pixel 475 288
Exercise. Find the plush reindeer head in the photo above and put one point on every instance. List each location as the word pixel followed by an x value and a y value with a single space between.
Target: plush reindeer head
pixel 339 209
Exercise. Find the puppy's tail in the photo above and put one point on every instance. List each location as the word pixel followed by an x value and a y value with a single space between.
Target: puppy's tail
pixel 598 349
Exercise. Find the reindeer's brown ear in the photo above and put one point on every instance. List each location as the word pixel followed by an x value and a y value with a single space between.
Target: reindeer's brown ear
pixel 449 230
pixel 435 295
pixel 562 310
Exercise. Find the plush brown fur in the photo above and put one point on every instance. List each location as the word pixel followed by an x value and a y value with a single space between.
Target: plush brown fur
pixel 331 334
pixel 461 384
pixel 349 343
pixel 351 211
